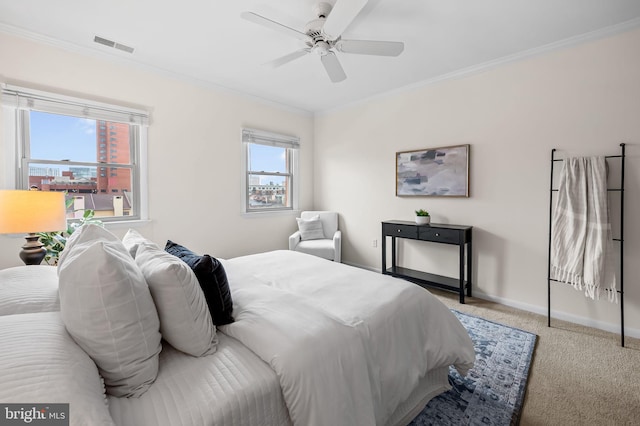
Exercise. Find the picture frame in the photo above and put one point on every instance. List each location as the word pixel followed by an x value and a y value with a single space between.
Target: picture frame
pixel 433 172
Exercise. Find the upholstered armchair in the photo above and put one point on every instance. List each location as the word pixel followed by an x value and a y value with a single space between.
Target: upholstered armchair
pixel 318 234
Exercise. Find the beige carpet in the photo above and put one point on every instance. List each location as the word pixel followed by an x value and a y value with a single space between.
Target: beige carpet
pixel 579 375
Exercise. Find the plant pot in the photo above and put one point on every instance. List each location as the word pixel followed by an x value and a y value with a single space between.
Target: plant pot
pixel 423 220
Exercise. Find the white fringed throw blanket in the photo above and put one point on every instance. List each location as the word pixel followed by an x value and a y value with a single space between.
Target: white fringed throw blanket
pixel 581 245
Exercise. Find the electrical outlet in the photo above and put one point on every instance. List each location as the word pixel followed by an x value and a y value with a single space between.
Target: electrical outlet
pixel 374 243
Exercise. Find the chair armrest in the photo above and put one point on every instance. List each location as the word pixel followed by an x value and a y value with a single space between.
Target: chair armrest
pixel 294 240
pixel 337 246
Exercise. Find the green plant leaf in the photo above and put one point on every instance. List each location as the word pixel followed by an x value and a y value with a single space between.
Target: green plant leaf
pixel 55 242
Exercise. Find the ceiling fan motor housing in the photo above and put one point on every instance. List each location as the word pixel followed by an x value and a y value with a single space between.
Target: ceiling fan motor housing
pixel 314 29
pixel 320 45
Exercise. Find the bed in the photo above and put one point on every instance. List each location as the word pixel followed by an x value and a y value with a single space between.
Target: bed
pixel 313 342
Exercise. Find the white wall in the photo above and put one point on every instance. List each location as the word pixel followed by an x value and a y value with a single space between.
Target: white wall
pixel 194 147
pixel 582 100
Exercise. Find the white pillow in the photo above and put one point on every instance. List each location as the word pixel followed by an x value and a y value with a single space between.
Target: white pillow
pixel 310 229
pixel 41 364
pixel 132 239
pixel 26 289
pixel 185 321
pixel 85 233
pixel 108 310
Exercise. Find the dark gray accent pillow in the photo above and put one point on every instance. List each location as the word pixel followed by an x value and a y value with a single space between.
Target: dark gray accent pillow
pixel 212 279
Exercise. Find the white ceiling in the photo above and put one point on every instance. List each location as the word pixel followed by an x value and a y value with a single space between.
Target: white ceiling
pixel 208 42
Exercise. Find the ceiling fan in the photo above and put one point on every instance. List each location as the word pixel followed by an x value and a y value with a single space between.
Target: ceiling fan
pixel 323 36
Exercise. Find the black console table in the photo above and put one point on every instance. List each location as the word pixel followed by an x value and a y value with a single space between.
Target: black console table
pixel 437 233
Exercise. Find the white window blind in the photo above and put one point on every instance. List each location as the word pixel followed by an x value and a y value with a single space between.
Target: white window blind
pixel 30 99
pixel 273 139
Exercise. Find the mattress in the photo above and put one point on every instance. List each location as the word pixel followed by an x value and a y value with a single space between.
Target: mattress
pixel 231 387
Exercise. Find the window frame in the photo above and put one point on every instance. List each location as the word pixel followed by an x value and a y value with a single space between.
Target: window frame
pixel 292 145
pixel 18 102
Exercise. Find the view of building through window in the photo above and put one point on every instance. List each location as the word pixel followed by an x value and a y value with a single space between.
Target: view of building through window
pixel 269 177
pixel 89 159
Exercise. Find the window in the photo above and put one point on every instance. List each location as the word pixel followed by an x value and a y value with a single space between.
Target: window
pixel 58 148
pixel 270 176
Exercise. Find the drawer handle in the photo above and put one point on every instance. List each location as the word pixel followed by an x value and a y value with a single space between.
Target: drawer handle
pixel 399 230
pixel 437 235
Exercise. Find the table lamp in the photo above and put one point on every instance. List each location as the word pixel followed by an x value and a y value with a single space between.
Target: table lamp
pixel 30 212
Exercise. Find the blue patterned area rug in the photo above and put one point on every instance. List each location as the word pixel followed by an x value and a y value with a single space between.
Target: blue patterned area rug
pixel 493 390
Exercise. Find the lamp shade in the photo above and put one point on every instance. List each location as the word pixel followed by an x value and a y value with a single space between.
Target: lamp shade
pixel 32 211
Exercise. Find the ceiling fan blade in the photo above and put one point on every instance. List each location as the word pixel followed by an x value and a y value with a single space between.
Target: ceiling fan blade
pixel 342 14
pixel 333 67
pixel 371 47
pixel 266 22
pixel 287 58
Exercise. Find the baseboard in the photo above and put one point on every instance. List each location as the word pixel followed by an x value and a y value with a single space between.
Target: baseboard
pixel 559 315
pixel 576 319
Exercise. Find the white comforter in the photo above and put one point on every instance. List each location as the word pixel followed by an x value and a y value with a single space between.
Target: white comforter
pixel 348 345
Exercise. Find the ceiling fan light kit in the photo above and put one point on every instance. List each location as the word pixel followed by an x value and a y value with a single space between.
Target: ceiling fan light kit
pixel 323 37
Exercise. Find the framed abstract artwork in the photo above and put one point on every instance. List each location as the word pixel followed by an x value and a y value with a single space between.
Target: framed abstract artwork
pixel 436 172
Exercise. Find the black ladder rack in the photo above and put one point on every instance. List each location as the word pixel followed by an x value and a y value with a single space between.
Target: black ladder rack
pixel 620 240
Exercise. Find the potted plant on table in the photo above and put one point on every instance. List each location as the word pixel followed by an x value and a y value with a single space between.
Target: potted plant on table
pixel 422 217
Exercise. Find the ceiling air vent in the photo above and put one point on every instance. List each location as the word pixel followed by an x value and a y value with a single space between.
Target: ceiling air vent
pixel 113 44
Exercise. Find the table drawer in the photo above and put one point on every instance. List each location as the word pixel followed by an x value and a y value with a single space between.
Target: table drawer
pixel 439 235
pixel 404 231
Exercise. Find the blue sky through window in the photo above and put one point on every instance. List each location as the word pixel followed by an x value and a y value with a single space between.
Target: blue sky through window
pixel 265 158
pixel 62 137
